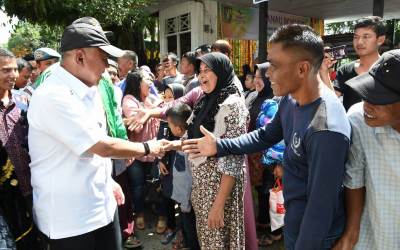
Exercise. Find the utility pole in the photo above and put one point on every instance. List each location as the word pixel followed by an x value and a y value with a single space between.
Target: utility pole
pixel 262 31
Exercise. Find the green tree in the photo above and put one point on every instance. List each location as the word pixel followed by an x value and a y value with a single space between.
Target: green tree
pixel 28 37
pixel 339 27
pixel 126 18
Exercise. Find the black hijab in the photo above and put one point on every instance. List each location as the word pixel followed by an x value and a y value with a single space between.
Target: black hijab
pixel 265 93
pixel 177 89
pixel 205 110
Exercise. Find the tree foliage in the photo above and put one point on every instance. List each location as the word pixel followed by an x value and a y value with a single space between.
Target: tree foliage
pixel 340 27
pixel 28 37
pixel 126 18
pixel 63 12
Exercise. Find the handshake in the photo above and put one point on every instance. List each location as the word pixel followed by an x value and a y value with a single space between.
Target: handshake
pixel 160 147
pixel 205 146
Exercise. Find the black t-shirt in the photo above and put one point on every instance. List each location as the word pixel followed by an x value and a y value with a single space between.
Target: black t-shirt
pixel 345 73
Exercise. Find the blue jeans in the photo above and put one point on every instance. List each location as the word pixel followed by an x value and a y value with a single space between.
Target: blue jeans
pixel 137 173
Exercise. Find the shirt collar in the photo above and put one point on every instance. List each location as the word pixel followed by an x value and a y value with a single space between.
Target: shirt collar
pixel 11 101
pixel 387 130
pixel 186 78
pixel 76 85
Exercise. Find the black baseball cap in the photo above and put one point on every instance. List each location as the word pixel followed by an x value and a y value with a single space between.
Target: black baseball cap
pixel 381 85
pixel 87 32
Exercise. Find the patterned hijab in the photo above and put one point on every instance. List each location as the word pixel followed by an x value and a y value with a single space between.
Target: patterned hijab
pixel 207 108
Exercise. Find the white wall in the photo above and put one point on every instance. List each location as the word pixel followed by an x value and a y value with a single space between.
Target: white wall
pixel 201 13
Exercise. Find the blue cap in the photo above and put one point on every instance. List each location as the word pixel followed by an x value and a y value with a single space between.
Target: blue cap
pixel 42 54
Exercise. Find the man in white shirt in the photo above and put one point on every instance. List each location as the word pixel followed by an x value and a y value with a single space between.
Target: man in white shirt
pixel 74 196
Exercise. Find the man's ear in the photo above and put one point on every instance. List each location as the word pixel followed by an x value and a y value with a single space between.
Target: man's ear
pixel 381 40
pixel 131 64
pixel 79 56
pixel 303 69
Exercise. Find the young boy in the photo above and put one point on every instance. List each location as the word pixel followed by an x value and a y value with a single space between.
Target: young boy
pixel 182 176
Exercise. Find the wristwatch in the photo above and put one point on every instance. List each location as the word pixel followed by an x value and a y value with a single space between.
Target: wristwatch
pixel 146 148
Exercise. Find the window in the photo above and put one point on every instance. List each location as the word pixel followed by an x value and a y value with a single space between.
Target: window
pixel 172 44
pixel 178 34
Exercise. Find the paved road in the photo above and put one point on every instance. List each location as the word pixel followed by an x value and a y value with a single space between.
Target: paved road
pixel 151 240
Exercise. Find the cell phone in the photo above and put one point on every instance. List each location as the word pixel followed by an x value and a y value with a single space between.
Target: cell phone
pixel 337 53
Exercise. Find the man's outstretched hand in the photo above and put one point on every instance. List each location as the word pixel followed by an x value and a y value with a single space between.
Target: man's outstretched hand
pixel 205 146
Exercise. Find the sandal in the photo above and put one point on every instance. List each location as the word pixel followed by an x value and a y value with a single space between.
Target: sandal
pixel 177 243
pixel 132 242
pixel 139 222
pixel 265 241
pixel 276 237
pixel 168 237
pixel 161 225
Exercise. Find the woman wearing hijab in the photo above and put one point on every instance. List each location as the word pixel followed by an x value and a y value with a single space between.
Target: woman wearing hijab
pixel 218 184
pixel 258 175
pixel 173 91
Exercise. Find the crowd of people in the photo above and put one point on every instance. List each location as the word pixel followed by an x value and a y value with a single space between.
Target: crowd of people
pixel 90 141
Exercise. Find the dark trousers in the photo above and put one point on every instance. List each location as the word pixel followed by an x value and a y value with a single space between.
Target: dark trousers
pixel 189 230
pixel 166 208
pixel 263 196
pixel 290 241
pixel 104 238
pixel 263 199
pixel 137 173
pixel 125 211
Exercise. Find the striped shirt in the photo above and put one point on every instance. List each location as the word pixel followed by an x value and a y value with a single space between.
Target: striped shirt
pixel 373 163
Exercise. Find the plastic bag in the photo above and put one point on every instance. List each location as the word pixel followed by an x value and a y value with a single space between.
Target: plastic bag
pixel 276 206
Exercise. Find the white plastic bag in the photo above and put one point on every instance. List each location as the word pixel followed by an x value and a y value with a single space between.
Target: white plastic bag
pixel 276 206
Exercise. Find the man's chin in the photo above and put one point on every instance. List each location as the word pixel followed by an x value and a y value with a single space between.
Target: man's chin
pixel 277 92
pixel 372 123
pixel 9 86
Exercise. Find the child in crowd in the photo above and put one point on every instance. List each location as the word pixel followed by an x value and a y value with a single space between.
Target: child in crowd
pixel 272 159
pixel 250 94
pixel 177 176
pixel 181 177
pixel 167 225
